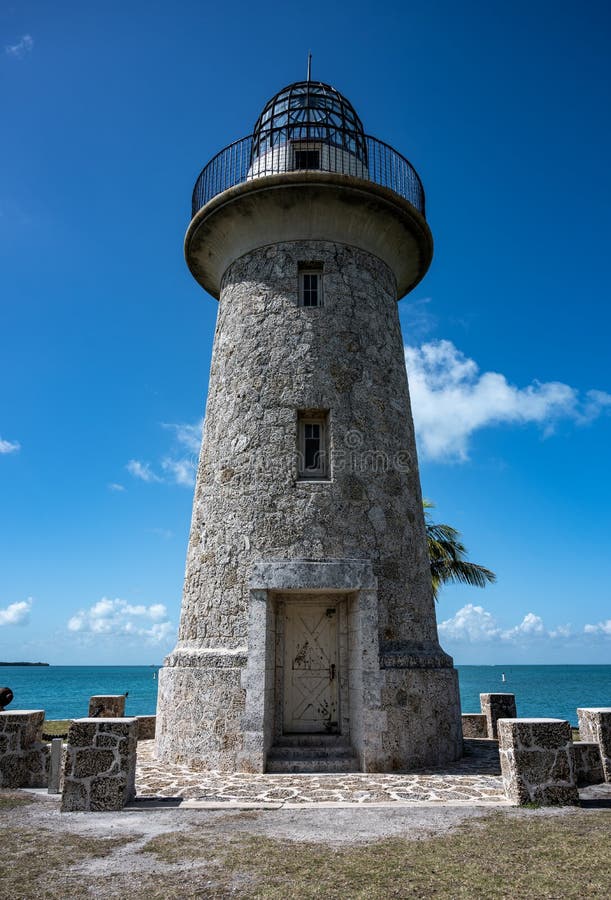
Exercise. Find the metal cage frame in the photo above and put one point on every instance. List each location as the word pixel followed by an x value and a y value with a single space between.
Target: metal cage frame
pixel 309 111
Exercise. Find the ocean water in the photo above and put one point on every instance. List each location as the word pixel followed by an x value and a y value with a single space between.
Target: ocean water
pixel 64 691
pixel 554 691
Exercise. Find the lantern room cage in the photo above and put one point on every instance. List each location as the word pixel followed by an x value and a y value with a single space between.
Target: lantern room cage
pixel 308 126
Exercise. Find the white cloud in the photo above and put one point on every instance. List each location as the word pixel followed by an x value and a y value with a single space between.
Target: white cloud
pixel 451 400
pixel 178 467
pixel 596 402
pixel 531 625
pixel 182 471
pixel 118 617
pixel 9 446
pixel 161 632
pixel 600 628
pixel 471 623
pixel 142 471
pixel 419 320
pixel 474 624
pixel 22 47
pixel 561 631
pixel 189 435
pixel 157 611
pixel 115 487
pixel 16 613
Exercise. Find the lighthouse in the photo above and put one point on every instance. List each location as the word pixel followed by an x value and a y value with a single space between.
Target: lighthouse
pixel 308 637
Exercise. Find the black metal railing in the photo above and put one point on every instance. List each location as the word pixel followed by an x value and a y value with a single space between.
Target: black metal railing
pixel 235 164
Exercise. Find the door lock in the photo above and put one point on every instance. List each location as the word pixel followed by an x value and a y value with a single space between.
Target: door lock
pixel 332 672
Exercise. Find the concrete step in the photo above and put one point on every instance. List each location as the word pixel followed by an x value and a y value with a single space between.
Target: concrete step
pixel 311 740
pixel 340 751
pixel 312 766
pixel 311 753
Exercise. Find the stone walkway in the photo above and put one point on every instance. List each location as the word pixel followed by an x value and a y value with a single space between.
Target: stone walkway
pixel 474 779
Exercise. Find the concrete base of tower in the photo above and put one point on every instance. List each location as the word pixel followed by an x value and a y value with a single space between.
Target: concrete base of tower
pixel 413 721
pixel 200 706
pixel 314 666
pixel 217 718
pixel 423 718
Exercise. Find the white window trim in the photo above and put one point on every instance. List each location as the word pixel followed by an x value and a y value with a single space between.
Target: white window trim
pixel 321 473
pixel 313 270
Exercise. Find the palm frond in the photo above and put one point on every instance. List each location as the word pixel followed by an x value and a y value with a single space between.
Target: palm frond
pixel 447 557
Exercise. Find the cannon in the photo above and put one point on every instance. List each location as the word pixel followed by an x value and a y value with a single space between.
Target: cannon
pixel 6 696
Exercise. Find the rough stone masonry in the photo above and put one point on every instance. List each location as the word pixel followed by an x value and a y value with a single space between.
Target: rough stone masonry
pixel 24 757
pixel 100 764
pixel 271 359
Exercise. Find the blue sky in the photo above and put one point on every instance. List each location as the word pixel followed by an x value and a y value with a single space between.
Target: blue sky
pixel 110 110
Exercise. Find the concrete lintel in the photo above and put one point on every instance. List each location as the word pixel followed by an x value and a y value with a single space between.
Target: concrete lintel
pixel 313 575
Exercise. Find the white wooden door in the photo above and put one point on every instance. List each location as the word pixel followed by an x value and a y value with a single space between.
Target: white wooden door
pixel 310 666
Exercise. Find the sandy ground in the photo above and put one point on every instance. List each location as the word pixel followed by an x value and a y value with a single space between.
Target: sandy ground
pixel 332 825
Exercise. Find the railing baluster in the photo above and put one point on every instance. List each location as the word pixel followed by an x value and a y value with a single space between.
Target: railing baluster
pixel 373 161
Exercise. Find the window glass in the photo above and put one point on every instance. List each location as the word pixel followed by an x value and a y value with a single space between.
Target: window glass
pixel 310 285
pixel 307 159
pixel 310 288
pixel 312 447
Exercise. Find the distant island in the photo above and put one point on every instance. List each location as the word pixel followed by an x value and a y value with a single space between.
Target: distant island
pixel 22 664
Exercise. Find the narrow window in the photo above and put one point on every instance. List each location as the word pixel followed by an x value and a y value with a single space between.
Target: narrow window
pixel 307 159
pixel 310 284
pixel 312 444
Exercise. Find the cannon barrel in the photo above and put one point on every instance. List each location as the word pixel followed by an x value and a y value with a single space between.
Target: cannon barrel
pixel 6 696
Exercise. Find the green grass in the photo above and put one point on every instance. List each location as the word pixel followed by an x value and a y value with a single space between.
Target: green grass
pixel 32 861
pixel 55 728
pixel 522 856
pixel 8 800
pixel 553 856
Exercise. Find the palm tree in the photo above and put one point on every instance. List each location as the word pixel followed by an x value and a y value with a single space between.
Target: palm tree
pixel 447 555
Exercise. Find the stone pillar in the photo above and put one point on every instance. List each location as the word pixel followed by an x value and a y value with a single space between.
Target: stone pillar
pixel 100 767
pixel 588 763
pixel 495 707
pixel 24 759
pixel 55 765
pixel 595 726
pixel 107 706
pixel 537 761
pixel 474 725
pixel 146 727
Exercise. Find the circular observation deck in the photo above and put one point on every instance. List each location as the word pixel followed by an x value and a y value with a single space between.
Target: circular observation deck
pixel 308 172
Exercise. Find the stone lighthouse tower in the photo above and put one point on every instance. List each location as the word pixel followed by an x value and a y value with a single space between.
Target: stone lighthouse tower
pixel 308 638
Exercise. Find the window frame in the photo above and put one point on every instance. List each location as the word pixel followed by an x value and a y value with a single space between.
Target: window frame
pixel 322 471
pixel 305 146
pixel 311 269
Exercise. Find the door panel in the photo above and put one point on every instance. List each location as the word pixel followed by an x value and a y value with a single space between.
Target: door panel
pixel 310 686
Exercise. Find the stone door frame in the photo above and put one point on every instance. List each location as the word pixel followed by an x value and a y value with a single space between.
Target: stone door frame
pixel 362 713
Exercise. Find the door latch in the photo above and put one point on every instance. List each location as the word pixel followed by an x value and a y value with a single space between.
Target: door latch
pixel 332 672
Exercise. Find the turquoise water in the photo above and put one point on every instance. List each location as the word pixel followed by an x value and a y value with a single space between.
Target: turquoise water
pixel 554 691
pixel 64 691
